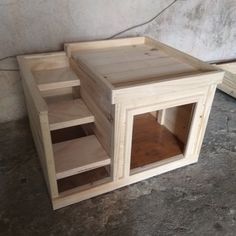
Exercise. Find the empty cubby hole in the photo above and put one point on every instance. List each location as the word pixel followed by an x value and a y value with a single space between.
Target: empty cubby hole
pixel 160 135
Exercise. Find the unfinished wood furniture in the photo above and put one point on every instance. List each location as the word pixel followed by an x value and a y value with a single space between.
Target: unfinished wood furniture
pixel 110 113
pixel 229 82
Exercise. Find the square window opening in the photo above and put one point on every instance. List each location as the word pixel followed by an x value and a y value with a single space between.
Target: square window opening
pixel 160 135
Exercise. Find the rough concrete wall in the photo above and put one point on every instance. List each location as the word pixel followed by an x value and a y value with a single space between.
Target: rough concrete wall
pixel 203 28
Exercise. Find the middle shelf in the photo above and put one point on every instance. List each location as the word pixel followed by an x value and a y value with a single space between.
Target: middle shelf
pixel 64 111
pixel 79 155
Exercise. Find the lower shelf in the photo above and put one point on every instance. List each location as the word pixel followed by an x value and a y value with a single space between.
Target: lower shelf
pixel 152 142
pixel 83 180
pixel 79 155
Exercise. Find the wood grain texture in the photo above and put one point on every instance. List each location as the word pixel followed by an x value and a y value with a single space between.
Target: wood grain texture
pixel 64 111
pixel 178 120
pixel 55 79
pixel 229 82
pixel 38 116
pixel 152 142
pixel 79 155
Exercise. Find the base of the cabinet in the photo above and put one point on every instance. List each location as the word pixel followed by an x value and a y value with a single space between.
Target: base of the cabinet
pixel 71 197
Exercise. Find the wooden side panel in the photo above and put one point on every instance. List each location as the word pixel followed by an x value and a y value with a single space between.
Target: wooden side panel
pixel 178 119
pixel 231 67
pixel 97 98
pixel 40 127
pixel 72 47
pixel 39 124
pixel 48 61
pixel 229 82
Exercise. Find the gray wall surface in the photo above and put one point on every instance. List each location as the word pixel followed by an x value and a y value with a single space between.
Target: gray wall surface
pixel 203 28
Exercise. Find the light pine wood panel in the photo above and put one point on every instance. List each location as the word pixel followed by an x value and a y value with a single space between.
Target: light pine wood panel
pixel 47 61
pixel 37 110
pixel 229 82
pixel 178 121
pixel 231 67
pixel 229 85
pixel 132 63
pixel 79 155
pixel 55 79
pixel 113 43
pixel 64 111
pixel 149 72
pixel 103 127
pixel 98 99
pixel 124 54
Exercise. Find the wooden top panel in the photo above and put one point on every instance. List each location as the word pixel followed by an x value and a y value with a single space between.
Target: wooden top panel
pixel 132 64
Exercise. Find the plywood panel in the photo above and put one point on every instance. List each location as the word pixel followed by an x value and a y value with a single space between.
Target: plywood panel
pixel 64 111
pixel 79 155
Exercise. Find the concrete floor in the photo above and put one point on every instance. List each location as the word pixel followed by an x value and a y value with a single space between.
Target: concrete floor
pixel 196 200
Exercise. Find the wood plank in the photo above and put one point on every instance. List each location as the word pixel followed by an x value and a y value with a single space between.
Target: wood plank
pixel 229 82
pixel 101 106
pixel 133 65
pixel 79 155
pixel 72 47
pixel 167 88
pixel 37 110
pixel 30 85
pixel 103 127
pixel 175 53
pixel 124 54
pixel 47 61
pixel 55 79
pixel 231 67
pixel 149 72
pixel 178 120
pixel 64 111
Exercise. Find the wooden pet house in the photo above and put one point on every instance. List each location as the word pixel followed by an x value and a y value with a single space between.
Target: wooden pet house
pixel 110 113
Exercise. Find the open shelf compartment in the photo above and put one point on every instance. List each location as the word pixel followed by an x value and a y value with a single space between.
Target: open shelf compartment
pixel 159 135
pixel 65 111
pixel 56 78
pixel 78 155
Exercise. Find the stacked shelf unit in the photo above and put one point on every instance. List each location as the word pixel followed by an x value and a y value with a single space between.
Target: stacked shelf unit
pixel 52 92
pixel 110 113
pixel 229 82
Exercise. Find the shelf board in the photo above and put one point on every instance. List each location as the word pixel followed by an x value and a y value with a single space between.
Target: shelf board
pixel 55 79
pixel 79 155
pixel 64 111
